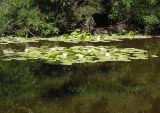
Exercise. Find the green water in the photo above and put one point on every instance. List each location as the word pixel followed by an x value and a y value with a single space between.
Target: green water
pixel 108 87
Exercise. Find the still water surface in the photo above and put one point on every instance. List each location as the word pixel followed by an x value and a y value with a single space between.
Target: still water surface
pixel 110 87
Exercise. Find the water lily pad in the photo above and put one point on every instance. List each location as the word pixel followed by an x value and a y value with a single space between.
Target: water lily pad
pixel 79 54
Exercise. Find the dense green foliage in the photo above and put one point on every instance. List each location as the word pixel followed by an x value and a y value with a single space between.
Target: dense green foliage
pixel 142 13
pixel 51 17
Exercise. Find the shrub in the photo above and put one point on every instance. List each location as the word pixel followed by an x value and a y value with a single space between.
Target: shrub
pixel 142 13
pixel 51 17
pixel 21 18
pixel 43 18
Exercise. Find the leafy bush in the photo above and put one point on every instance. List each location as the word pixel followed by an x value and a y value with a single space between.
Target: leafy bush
pixel 22 19
pixel 51 17
pixel 43 18
pixel 141 12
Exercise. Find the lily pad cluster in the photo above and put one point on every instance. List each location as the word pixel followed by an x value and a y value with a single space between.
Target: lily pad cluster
pixel 10 39
pixel 71 55
pixel 77 54
pixel 74 37
pixel 97 38
pixel 82 36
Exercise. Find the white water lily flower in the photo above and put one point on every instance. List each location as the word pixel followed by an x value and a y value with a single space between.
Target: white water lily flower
pixel 52 49
pixel 80 56
pixel 107 54
pixel 98 38
pixel 89 50
pixel 102 48
pixel 9 42
pixel 65 55
pixel 26 50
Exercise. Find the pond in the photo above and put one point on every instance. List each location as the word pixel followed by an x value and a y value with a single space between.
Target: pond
pixel 98 77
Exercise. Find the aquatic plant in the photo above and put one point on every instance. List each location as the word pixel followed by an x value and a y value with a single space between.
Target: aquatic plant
pixel 98 38
pixel 77 54
pixel 10 39
pixel 74 37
